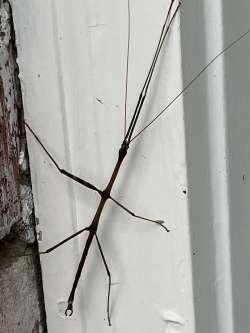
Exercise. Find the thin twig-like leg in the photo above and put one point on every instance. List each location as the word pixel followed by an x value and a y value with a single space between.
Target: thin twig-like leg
pixel 159 222
pixel 109 277
pixel 62 171
pixel 52 248
pixel 165 29
pixel 64 241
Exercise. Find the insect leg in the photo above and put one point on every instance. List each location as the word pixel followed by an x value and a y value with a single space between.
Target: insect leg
pixel 64 241
pixel 159 222
pixel 109 277
pixel 52 248
pixel 62 171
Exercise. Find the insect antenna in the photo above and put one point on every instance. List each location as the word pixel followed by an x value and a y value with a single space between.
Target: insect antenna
pixel 165 29
pixel 127 68
pixel 227 48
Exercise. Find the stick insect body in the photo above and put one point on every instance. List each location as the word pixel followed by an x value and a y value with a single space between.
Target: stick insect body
pixel 106 193
pixel 128 138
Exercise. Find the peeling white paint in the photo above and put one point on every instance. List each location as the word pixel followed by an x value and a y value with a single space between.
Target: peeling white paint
pixel 174 323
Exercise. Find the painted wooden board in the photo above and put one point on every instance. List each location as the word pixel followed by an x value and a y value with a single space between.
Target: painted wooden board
pixel 72 59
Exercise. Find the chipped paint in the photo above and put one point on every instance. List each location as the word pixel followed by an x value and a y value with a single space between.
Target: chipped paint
pixel 174 323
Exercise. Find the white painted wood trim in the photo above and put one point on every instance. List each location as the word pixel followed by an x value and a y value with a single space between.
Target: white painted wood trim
pixel 216 111
pixel 72 67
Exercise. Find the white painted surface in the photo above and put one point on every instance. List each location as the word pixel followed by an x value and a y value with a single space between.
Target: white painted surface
pixel 72 67
pixel 219 167
pixel 72 63
pixel 217 126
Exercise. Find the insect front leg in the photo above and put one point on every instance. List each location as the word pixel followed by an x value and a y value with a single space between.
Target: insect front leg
pixel 62 171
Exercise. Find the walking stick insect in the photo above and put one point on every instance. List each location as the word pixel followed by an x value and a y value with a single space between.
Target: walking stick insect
pixel 105 194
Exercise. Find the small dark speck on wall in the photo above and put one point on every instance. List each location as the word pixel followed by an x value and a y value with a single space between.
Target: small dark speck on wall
pixel 99 100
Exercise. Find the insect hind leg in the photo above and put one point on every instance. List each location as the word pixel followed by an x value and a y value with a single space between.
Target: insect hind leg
pixel 109 277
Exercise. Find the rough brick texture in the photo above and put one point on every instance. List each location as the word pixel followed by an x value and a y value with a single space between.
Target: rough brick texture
pixel 21 300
